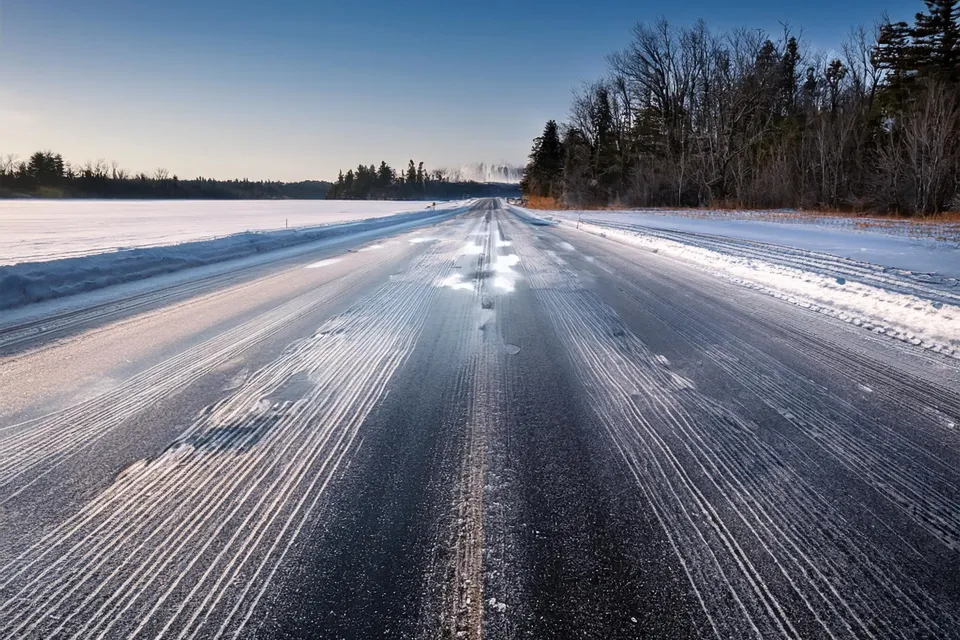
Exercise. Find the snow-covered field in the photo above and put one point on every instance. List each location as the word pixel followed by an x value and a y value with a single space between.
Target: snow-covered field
pixel 908 288
pixel 888 246
pixel 39 230
pixel 62 254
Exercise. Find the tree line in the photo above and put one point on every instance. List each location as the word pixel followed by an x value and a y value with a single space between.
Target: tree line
pixel 416 183
pixel 694 117
pixel 47 174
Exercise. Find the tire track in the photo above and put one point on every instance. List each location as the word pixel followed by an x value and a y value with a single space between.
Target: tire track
pixel 765 554
pixel 187 544
pixel 919 482
pixel 32 449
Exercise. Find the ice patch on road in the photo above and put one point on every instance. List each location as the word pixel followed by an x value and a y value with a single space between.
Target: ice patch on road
pixel 505 277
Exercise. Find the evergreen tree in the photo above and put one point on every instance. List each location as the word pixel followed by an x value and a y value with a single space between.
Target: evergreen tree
pixel 605 165
pixel 936 40
pixel 545 169
pixel 411 174
pixel 384 176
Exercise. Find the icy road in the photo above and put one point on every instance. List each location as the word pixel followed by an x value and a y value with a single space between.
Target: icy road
pixel 482 427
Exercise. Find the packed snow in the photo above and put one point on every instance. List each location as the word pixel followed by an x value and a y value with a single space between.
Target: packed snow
pixel 907 288
pixel 92 259
pixel 39 230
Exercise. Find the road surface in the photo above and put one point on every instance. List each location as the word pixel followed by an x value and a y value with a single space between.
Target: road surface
pixel 482 428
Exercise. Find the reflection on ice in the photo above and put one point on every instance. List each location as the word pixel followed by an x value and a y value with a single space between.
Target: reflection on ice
pixel 505 277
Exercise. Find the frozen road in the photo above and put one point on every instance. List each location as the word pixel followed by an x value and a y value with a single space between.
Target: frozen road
pixel 482 428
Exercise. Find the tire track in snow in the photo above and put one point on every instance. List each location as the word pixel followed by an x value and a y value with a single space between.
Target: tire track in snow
pixel 765 554
pixel 911 477
pixel 32 449
pixel 463 570
pixel 187 544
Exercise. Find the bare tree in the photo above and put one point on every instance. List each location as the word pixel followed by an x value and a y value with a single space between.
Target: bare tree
pixel 931 146
pixel 8 162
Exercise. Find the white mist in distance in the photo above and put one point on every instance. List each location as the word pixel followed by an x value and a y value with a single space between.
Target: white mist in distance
pixel 482 172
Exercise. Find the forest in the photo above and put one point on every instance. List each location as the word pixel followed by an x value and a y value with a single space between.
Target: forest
pixel 689 116
pixel 47 174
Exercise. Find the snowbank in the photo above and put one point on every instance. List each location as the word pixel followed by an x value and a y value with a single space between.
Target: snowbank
pixel 29 282
pixel 528 216
pixel 822 234
pixel 907 288
pixel 930 318
pixel 40 230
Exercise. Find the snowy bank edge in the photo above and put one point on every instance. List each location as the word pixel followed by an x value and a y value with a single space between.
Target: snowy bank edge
pixel 529 217
pixel 31 282
pixel 902 317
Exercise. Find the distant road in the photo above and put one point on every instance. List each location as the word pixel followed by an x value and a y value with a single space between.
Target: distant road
pixel 482 428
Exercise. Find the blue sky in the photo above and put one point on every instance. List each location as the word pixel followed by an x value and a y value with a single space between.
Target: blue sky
pixel 296 89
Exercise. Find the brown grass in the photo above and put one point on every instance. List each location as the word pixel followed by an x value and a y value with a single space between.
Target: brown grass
pixel 543 202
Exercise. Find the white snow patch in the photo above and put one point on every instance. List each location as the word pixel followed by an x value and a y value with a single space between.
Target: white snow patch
pixel 455 281
pixel 471 249
pixel 323 263
pixel 500 607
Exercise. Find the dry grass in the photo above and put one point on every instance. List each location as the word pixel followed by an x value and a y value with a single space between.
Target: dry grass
pixel 542 202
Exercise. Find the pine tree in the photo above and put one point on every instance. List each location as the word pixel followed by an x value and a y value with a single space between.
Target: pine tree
pixel 543 172
pixel 605 167
pixel 384 176
pixel 936 40
pixel 411 173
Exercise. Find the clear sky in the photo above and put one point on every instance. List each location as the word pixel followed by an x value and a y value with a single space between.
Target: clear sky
pixel 295 89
